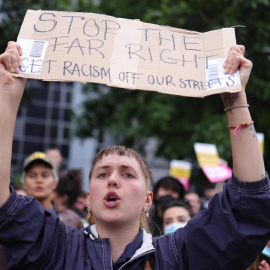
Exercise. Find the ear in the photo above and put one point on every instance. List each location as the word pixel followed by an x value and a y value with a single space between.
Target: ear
pixel 88 203
pixel 148 201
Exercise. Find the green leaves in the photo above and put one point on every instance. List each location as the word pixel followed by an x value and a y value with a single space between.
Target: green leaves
pixel 178 122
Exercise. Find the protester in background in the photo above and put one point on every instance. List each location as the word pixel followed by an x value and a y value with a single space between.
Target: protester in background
pixel 80 205
pixel 68 216
pixel 56 158
pixel 207 191
pixel 81 201
pixel 67 192
pixel 165 190
pixel 39 179
pixel 194 201
pixel 168 185
pixel 176 214
pixel 229 234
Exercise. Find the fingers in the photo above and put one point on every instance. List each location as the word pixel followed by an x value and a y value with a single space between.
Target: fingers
pixel 242 48
pixel 11 58
pixel 234 59
pixel 264 265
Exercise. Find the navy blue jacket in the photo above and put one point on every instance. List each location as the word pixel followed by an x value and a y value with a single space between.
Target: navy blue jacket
pixel 228 235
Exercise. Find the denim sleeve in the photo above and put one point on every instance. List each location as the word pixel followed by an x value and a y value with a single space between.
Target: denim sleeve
pixel 232 231
pixel 32 237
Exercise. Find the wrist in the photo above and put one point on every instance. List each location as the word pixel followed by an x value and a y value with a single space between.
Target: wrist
pixel 234 99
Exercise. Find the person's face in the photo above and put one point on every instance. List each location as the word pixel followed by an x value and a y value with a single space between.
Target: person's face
pixel 80 203
pixel 56 157
pixel 39 181
pixel 194 202
pixel 58 199
pixel 118 192
pixel 175 214
pixel 164 191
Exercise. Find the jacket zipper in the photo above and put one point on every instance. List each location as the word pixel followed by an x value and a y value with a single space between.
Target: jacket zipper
pixel 141 255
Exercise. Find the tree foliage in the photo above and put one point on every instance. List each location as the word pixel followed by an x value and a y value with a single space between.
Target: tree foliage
pixel 177 122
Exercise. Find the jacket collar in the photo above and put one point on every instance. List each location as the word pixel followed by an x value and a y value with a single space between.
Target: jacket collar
pixel 146 246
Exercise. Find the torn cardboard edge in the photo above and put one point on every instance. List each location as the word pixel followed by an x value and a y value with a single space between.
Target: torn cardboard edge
pixel 88 47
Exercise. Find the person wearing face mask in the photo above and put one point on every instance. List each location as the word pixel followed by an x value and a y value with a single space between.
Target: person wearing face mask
pixel 165 190
pixel 176 214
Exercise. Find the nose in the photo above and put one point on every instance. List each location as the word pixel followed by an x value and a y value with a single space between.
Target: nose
pixel 113 183
pixel 39 178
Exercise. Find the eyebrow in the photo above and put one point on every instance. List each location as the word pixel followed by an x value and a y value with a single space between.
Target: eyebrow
pixel 169 218
pixel 122 166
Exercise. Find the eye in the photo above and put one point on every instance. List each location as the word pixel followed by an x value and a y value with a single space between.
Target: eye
pixel 102 175
pixel 168 222
pixel 183 220
pixel 45 174
pixel 128 175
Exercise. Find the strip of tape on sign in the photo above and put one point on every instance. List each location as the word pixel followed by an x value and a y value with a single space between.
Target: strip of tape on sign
pixel 34 52
pixel 215 77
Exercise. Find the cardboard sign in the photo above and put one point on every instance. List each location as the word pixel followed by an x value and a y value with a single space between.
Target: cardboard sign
pixel 208 158
pixel 181 170
pixel 87 47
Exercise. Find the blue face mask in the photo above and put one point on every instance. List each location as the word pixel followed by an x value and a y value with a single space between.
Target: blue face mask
pixel 173 227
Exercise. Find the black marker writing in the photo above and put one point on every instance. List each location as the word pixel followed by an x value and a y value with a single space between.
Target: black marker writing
pixel 190 46
pixel 47 18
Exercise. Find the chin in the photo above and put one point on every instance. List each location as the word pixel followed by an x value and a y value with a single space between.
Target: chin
pixel 40 196
pixel 113 220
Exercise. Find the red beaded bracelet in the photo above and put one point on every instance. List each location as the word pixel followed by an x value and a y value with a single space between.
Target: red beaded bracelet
pixel 237 128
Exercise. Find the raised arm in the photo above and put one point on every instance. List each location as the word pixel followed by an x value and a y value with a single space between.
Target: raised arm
pixel 11 91
pixel 248 162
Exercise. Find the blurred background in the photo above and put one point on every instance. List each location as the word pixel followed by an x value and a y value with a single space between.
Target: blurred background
pixel 79 119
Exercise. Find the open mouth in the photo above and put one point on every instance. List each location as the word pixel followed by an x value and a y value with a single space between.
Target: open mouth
pixel 111 199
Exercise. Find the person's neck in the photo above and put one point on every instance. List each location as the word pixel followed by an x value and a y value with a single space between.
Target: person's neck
pixel 119 237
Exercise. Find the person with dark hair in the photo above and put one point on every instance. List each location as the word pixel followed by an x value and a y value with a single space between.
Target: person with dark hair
pixel 168 185
pixel 175 215
pixel 65 195
pixel 165 190
pixel 229 234
pixel 69 187
pixel 80 203
pixel 80 206
pixel 194 201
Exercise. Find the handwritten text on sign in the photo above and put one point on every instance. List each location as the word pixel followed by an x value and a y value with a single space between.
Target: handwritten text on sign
pixel 87 47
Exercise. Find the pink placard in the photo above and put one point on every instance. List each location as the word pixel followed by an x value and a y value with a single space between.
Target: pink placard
pixel 217 173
